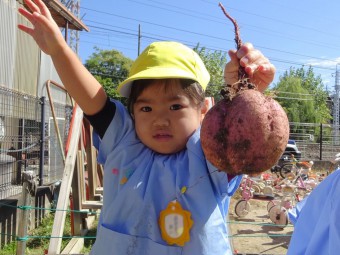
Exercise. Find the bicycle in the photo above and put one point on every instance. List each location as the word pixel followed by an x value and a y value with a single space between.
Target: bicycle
pixel 242 207
pixel 250 188
pixel 290 170
pixel 277 167
pixel 278 210
pixel 294 188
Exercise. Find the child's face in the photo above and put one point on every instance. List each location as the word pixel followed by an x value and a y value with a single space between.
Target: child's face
pixel 165 118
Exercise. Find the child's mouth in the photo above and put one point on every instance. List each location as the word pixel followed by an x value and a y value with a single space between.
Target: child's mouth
pixel 162 137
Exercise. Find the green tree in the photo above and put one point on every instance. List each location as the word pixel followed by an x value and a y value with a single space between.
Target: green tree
pixel 292 97
pixel 304 99
pixel 214 62
pixel 302 95
pixel 109 67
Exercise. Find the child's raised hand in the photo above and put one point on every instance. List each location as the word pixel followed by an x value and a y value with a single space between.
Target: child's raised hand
pixel 260 71
pixel 45 31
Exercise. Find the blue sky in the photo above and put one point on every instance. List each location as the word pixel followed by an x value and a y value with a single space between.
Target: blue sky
pixel 290 32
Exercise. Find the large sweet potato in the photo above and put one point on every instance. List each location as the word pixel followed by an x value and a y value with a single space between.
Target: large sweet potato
pixel 246 135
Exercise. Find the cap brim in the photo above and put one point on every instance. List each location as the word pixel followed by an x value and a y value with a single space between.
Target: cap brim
pixel 124 88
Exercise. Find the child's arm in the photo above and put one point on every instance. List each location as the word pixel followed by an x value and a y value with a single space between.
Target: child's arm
pixel 260 71
pixel 78 81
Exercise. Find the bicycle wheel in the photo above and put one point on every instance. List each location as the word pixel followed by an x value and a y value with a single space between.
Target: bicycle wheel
pixel 287 170
pixel 256 188
pixel 278 215
pixel 242 208
pixel 271 204
pixel 268 191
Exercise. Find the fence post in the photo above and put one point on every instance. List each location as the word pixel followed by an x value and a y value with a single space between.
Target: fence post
pixel 28 190
pixel 321 131
pixel 42 142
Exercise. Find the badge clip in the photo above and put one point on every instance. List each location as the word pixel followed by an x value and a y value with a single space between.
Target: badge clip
pixel 175 224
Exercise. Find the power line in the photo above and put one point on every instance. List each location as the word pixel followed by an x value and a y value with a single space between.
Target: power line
pixel 222 21
pixel 215 49
pixel 214 37
pixel 223 39
pixel 188 13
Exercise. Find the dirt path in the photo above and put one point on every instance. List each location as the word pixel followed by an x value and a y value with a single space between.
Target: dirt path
pixel 251 234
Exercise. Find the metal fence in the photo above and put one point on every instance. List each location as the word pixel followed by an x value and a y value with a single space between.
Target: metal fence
pixel 316 141
pixel 29 139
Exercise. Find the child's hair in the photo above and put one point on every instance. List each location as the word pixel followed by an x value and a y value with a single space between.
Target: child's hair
pixel 191 88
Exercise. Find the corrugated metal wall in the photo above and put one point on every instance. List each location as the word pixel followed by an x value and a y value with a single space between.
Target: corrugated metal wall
pixel 35 68
pixel 8 23
pixel 19 59
pixel 23 67
pixel 27 61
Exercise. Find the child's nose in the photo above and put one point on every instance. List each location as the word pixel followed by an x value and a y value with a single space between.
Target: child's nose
pixel 161 120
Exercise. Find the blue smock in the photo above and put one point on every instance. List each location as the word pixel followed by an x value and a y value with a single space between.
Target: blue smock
pixel 139 184
pixel 316 220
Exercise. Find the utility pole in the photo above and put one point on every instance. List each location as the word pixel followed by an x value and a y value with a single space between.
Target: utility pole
pixel 74 34
pixel 74 7
pixel 336 109
pixel 139 36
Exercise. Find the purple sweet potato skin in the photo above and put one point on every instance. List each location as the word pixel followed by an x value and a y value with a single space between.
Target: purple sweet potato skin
pixel 246 135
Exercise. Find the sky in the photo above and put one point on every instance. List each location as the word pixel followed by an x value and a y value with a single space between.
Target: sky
pixel 290 33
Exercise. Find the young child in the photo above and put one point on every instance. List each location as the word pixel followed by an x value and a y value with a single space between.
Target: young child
pixel 161 196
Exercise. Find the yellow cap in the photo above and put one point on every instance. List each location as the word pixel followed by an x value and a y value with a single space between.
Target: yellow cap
pixel 164 60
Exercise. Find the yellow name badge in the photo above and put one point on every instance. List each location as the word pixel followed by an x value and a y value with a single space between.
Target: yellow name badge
pixel 175 224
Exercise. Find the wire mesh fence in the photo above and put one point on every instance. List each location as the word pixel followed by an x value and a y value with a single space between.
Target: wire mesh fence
pixel 316 141
pixel 27 142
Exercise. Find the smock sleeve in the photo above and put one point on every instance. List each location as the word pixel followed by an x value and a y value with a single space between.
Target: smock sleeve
pixel 121 128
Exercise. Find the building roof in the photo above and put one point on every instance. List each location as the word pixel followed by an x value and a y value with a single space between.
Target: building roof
pixel 63 17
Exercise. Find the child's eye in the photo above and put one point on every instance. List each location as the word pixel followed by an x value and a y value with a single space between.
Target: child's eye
pixel 146 109
pixel 176 107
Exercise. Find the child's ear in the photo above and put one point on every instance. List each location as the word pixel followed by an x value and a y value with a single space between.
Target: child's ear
pixel 132 115
pixel 204 108
pixel 208 103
